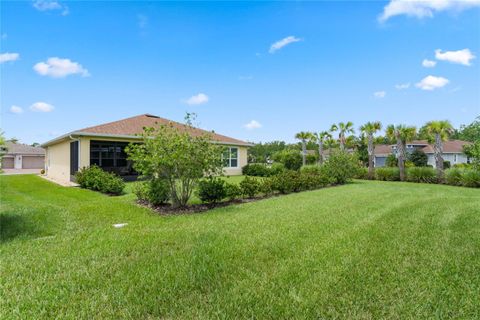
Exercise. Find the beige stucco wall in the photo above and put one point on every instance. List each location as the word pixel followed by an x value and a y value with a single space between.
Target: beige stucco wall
pixel 57 161
pixel 58 158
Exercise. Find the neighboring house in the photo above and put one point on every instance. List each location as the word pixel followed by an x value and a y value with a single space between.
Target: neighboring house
pixel 104 145
pixel 452 151
pixel 22 156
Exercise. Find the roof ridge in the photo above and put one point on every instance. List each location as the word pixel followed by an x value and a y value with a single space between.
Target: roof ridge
pixel 116 121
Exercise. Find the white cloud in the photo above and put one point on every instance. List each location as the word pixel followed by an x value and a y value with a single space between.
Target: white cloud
pixel 402 86
pixel 431 83
pixel 282 43
pixel 245 77
pixel 428 63
pixel 254 124
pixel 200 98
pixel 46 5
pixel 5 57
pixel 59 68
pixel 379 94
pixel 16 109
pixel 41 107
pixel 461 56
pixel 424 8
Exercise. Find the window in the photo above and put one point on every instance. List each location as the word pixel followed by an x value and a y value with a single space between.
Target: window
pixel 108 154
pixel 230 157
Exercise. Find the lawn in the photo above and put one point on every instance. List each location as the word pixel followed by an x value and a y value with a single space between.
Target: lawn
pixel 366 250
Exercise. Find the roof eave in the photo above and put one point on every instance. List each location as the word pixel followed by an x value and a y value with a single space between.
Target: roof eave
pixel 121 136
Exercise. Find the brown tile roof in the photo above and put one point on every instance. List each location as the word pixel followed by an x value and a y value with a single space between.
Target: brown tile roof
pixel 383 149
pixel 451 146
pixel 24 149
pixel 134 126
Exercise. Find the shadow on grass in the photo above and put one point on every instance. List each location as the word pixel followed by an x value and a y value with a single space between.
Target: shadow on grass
pixel 18 226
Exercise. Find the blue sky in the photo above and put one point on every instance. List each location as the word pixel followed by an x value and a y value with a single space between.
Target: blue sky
pixel 281 67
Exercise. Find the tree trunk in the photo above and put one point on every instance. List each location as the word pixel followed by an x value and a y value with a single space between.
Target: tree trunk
pixel 401 158
pixel 438 152
pixel 371 169
pixel 342 141
pixel 320 152
pixel 304 152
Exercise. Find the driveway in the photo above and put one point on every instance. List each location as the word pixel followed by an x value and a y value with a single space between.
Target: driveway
pixel 8 172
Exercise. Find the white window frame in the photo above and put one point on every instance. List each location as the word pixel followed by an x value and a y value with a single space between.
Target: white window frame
pixel 229 149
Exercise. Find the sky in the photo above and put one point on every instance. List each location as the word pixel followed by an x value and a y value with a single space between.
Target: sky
pixel 256 71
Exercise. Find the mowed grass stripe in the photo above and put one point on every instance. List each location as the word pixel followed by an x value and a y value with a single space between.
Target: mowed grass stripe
pixel 364 250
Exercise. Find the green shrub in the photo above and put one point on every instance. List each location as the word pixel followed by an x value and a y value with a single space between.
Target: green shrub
pixel 287 182
pixel 94 178
pixel 211 190
pixel 387 174
pixel 267 186
pixel 291 158
pixel 418 157
pixel 154 191
pixel 362 173
pixel 250 187
pixel 453 176
pixel 232 191
pixel 311 159
pixel 313 180
pixel 256 170
pixel 313 169
pixel 421 174
pixel 391 161
pixel 471 178
pixel 276 168
pixel 340 167
pixel 462 165
pixel 446 165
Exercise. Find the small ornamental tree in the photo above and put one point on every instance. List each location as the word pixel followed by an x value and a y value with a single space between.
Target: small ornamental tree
pixel 178 156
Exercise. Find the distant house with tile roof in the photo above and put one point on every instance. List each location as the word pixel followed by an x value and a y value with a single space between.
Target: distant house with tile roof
pixel 104 145
pixel 22 156
pixel 452 151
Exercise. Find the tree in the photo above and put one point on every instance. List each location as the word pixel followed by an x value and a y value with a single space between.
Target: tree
pixel 3 147
pixel 469 132
pixel 321 137
pixel 291 158
pixel 261 152
pixel 179 157
pixel 13 140
pixel 418 158
pixel 401 134
pixel 369 129
pixel 437 132
pixel 304 137
pixel 473 152
pixel 35 144
pixel 343 129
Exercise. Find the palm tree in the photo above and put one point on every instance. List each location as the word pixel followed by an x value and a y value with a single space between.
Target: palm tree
pixel 304 137
pixel 401 134
pixel 369 129
pixel 321 138
pixel 342 128
pixel 437 132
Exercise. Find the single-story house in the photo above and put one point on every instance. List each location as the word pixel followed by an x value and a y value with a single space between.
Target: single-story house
pixel 22 156
pixel 452 151
pixel 104 145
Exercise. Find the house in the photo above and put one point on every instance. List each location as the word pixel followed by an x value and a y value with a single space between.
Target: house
pixel 22 156
pixel 452 151
pixel 104 145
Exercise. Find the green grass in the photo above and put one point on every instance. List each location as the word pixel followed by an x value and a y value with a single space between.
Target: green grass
pixel 367 250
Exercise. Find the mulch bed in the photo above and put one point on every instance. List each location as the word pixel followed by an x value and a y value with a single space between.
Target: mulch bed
pixel 169 210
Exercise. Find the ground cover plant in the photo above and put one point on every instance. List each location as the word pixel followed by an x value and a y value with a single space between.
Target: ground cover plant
pixel 385 253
